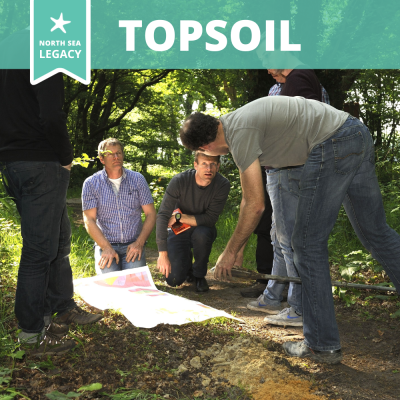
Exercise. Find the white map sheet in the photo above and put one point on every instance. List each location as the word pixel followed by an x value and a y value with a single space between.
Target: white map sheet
pixel 133 293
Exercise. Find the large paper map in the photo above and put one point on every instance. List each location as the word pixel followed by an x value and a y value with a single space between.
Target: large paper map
pixel 133 293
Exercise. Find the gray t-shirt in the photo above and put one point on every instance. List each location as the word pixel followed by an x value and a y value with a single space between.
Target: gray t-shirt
pixel 281 131
pixel 204 203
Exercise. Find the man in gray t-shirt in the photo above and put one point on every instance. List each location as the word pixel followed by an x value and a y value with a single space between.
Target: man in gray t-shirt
pixel 200 194
pixel 338 156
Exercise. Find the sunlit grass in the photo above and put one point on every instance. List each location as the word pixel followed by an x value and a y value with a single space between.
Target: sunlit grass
pixel 159 170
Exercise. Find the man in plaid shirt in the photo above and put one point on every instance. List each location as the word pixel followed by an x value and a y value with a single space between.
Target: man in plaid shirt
pixel 112 202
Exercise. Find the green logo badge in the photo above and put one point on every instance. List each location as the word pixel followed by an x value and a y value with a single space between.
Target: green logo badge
pixel 60 39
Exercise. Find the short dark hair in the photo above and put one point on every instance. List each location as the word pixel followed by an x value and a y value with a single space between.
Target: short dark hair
pixel 209 158
pixel 198 130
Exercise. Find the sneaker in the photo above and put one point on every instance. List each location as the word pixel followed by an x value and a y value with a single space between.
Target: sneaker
pixel 48 346
pixel 299 349
pixel 287 317
pixel 260 305
pixel 254 291
pixel 78 316
pixel 58 330
pixel 201 285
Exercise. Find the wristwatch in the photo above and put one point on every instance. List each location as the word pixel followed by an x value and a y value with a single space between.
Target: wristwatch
pixel 178 216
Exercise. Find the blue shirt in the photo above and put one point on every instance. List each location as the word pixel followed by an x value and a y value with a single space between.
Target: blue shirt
pixel 118 215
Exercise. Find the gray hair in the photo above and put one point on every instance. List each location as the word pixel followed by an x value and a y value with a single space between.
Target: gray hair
pixel 109 142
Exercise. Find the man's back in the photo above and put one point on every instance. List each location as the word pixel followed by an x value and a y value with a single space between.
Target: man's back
pixel 277 141
pixel 302 82
pixel 32 122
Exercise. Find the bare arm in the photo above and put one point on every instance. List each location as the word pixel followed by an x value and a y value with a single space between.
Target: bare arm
pixel 251 209
pixel 240 256
pixel 108 253
pixel 135 249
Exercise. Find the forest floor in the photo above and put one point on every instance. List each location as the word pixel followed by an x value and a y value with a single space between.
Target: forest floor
pixel 220 359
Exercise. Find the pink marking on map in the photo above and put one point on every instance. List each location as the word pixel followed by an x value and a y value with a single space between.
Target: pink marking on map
pixel 126 281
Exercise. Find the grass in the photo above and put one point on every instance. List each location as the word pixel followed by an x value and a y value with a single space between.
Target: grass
pixel 344 247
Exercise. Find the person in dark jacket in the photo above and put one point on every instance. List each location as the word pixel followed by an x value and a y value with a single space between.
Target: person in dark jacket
pixel 35 161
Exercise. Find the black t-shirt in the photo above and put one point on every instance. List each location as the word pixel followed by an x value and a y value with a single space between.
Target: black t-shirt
pixel 32 120
pixel 302 82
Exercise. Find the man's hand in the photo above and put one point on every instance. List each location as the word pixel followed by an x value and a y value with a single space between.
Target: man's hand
pixel 171 221
pixel 107 256
pixel 68 167
pixel 163 263
pixel 185 219
pixel 133 251
pixel 223 266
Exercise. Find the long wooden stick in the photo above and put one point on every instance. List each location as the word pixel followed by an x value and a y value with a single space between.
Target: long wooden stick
pixel 250 275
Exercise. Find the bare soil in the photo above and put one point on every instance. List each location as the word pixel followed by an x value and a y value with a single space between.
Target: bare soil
pixel 228 360
pixel 370 344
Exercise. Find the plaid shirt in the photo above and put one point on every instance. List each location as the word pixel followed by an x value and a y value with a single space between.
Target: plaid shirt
pixel 276 90
pixel 118 215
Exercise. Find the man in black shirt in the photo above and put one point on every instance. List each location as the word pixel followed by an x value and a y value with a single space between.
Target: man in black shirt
pixel 200 194
pixel 35 162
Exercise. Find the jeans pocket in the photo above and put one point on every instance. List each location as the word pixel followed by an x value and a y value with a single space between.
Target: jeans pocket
pixel 348 152
pixel 30 177
pixel 294 177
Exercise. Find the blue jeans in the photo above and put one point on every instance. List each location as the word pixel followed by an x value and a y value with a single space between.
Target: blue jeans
pixel 44 284
pixel 339 170
pixel 283 190
pixel 120 249
pixel 201 239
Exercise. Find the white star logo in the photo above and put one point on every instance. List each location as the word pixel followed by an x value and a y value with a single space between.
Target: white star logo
pixel 59 23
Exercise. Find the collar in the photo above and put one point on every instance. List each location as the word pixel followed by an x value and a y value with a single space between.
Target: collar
pixel 105 176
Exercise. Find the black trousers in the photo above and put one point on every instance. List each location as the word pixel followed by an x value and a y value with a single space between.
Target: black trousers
pixel 198 238
pixel 265 250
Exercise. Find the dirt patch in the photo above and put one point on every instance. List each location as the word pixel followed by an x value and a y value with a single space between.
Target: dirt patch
pixel 221 360
pixel 254 364
pixel 286 390
pixel 369 338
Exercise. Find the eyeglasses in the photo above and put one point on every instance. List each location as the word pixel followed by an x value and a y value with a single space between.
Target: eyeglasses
pixel 109 154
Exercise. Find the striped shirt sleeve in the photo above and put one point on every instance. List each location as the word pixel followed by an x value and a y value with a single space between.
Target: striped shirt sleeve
pixel 89 198
pixel 144 191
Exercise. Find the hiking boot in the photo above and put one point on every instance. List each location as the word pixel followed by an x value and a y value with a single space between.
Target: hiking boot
pixel 78 316
pixel 48 346
pixel 58 330
pixel 201 285
pixel 287 317
pixel 254 291
pixel 299 349
pixel 260 305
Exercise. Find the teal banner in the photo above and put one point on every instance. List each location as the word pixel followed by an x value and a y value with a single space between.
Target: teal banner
pixel 60 39
pixel 132 34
